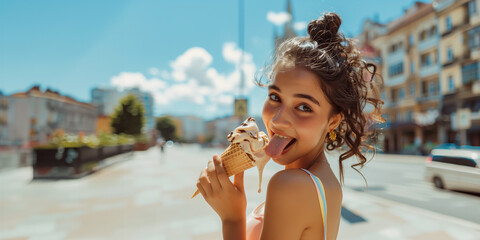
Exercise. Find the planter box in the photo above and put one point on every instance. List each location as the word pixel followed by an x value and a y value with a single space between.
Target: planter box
pixel 63 162
pixel 126 148
pixel 108 151
pixel 141 146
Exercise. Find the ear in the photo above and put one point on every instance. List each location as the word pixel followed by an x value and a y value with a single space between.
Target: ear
pixel 334 121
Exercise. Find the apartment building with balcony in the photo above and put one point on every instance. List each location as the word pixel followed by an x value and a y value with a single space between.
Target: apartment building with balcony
pixel 459 27
pixel 410 70
pixel 430 63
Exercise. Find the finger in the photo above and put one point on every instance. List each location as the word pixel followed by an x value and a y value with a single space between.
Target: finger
pixel 212 175
pixel 205 182
pixel 201 190
pixel 221 174
pixel 238 182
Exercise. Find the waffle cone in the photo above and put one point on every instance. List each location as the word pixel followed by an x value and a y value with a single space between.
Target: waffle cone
pixel 234 161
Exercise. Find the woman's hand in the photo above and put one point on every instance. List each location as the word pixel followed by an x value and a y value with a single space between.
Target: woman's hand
pixel 227 199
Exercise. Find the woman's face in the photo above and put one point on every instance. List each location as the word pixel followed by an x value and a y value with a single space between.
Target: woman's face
pixel 296 115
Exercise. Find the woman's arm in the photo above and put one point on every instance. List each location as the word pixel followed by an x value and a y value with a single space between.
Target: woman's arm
pixel 234 230
pixel 226 198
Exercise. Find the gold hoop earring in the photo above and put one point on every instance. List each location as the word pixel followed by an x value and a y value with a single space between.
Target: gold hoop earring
pixel 332 135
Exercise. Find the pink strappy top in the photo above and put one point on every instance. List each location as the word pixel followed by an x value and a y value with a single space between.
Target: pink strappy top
pixel 255 219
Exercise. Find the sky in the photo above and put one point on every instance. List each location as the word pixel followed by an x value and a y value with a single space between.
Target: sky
pixel 185 53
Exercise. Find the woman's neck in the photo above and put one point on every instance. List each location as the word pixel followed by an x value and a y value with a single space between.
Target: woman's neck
pixel 318 160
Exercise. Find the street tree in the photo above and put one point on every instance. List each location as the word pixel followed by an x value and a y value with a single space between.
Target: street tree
pixel 129 116
pixel 166 127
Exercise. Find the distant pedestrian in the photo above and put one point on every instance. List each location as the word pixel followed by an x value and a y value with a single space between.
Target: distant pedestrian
pixel 318 87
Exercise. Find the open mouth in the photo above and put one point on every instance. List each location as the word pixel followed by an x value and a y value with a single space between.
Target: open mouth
pixel 286 148
pixel 279 145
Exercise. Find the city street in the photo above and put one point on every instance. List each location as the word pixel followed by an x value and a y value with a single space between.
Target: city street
pixel 146 195
pixel 401 179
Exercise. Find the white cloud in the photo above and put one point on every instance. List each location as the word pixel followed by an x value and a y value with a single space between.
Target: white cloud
pixel 300 26
pixel 191 64
pixel 279 18
pixel 192 79
pixel 135 79
pixel 154 71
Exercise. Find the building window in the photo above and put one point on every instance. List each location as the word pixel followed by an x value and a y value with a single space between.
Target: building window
pixel 472 7
pixel 425 60
pixel 433 31
pixel 474 38
pixel 408 116
pixel 412 67
pixel 439 87
pixel 384 96
pixel 410 39
pixel 423 35
pixel 412 89
pixel 431 89
pixel 448 23
pixel 450 54
pixel 451 84
pixel 393 95
pixel 395 69
pixel 470 73
pixel 424 89
pixel 399 117
pixel 401 94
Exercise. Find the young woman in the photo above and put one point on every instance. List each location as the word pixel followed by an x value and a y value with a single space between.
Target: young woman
pixel 317 93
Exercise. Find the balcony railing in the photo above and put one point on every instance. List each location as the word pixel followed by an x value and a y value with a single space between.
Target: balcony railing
pixel 393 81
pixel 429 70
pixel 426 98
pixel 428 43
pixel 396 57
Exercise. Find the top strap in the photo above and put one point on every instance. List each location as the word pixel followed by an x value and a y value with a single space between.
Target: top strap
pixel 321 199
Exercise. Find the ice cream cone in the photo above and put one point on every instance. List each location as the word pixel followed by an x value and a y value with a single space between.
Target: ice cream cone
pixel 234 160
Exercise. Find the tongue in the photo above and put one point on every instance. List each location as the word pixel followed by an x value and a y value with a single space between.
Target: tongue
pixel 276 145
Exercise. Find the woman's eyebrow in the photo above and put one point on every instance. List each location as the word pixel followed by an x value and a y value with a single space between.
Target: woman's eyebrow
pixel 299 95
pixel 274 88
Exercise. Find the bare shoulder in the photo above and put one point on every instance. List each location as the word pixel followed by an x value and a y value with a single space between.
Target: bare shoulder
pixel 292 181
pixel 292 188
pixel 288 205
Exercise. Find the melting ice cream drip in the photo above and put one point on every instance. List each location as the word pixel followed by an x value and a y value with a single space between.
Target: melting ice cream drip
pixel 253 142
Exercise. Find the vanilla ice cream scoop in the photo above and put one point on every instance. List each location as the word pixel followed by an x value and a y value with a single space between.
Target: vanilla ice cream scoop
pixel 253 142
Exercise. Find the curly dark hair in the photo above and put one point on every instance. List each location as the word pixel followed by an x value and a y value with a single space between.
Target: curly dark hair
pixel 347 80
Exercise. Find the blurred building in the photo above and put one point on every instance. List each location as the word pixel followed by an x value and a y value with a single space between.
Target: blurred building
pixel 107 99
pixel 3 118
pixel 34 115
pixel 459 27
pixel 288 31
pixel 218 129
pixel 431 77
pixel 190 128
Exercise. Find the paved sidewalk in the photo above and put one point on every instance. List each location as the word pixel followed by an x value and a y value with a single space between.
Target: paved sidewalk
pixel 147 197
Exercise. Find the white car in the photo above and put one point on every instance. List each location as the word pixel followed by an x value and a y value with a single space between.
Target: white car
pixel 455 169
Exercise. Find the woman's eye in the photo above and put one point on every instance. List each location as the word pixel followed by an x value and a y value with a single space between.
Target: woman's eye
pixel 304 108
pixel 273 97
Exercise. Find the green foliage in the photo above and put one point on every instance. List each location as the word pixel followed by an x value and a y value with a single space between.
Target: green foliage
pixel 92 141
pixel 141 138
pixel 129 116
pixel 166 127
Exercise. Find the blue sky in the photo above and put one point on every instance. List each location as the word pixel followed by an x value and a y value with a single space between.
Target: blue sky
pixel 184 52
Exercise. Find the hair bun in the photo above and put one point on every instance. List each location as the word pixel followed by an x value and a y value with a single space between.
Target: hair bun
pixel 325 28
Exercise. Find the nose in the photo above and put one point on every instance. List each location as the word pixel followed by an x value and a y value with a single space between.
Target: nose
pixel 281 119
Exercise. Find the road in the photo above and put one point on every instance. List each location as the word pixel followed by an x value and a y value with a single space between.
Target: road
pixel 401 179
pixel 146 195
